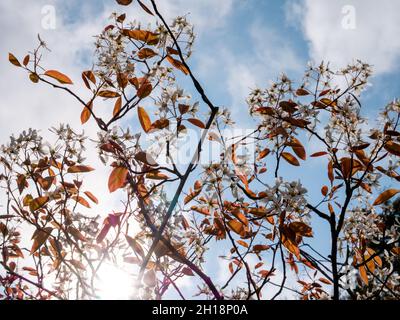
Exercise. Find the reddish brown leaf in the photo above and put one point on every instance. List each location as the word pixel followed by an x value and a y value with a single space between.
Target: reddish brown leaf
pixel 145 8
pixel 39 238
pixel 319 154
pixel 13 60
pixel 324 190
pixel 197 123
pixel 302 92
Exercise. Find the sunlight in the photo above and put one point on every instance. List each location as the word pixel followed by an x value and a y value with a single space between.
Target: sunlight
pixel 114 283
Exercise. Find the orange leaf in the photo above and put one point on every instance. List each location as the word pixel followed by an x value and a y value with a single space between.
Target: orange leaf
pixel 82 201
pixel 91 197
pixel 146 53
pixel 117 178
pixel 301 228
pixel 79 168
pixel 177 64
pixel 145 36
pixel 117 106
pixel 191 196
pixel 291 159
pixel 385 196
pixel 236 226
pixel 393 148
pixel 60 77
pixel 144 119
pixel 108 94
pixel 263 154
pixel 324 190
pixel 85 115
pixel 242 243
pixel 330 172
pixel 363 274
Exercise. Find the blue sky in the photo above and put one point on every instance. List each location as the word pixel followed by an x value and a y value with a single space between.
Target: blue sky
pixel 241 44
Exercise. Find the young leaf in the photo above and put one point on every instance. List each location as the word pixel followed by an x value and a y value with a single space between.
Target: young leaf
pixel 145 36
pixel 302 92
pixel 363 274
pixel 178 65
pixel 291 159
pixel 146 53
pixel 197 123
pixel 117 106
pixel 108 94
pixel 37 203
pixel 91 197
pixel 385 196
pixel 144 89
pixel 117 178
pixel 145 8
pixel 393 148
pixel 104 231
pixel 124 2
pixel 263 154
pixel 79 168
pixel 60 77
pixel 86 113
pixel 319 154
pixel 82 201
pixel 34 77
pixel 76 233
pixel 136 247
pixel 150 278
pixel 144 119
pixel 26 60
pixel 236 226
pixel 39 238
pixel 13 60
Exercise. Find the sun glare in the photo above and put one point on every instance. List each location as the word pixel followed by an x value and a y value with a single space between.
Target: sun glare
pixel 114 283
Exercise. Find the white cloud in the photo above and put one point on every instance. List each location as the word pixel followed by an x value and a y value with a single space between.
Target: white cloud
pixel 374 39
